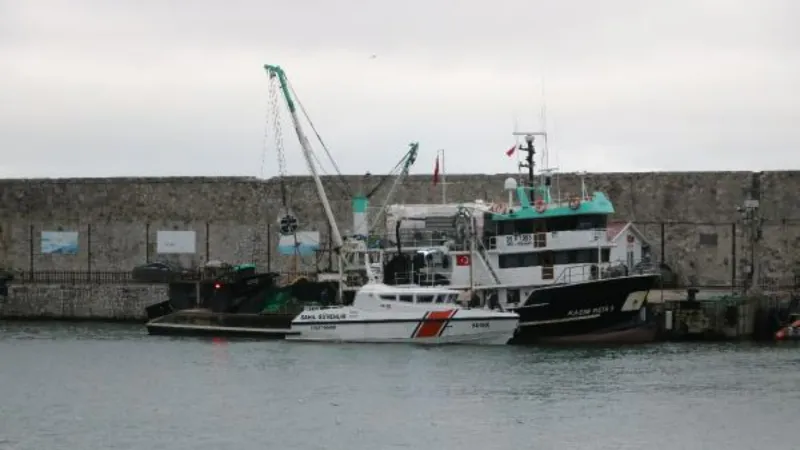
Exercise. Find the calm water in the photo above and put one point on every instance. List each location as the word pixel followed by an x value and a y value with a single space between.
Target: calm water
pixel 84 387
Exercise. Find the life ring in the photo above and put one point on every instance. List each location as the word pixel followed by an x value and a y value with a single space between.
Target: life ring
pixel 540 206
pixel 575 203
pixel 498 208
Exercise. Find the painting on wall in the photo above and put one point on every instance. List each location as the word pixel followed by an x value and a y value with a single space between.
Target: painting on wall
pixel 60 242
pixel 175 242
pixel 307 243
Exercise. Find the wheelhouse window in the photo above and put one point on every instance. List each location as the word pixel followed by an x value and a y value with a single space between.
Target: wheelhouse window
pixel 388 298
pixel 446 298
pixel 550 224
pixel 425 298
pixel 406 298
pixel 547 258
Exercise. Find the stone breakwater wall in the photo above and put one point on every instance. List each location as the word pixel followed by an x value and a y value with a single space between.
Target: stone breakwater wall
pixel 81 301
pixel 689 218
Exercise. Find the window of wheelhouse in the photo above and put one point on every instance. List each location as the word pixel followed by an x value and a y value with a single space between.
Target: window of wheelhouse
pixel 446 298
pixel 570 222
pixel 406 298
pixel 577 222
pixel 425 298
pixel 520 226
pixel 388 298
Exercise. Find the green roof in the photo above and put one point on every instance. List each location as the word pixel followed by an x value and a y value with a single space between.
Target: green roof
pixel 598 203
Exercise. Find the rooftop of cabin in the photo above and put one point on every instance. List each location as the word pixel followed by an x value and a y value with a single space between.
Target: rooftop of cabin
pixel 539 202
pixel 406 289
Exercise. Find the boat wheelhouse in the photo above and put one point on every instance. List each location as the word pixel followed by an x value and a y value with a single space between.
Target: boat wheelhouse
pixel 537 240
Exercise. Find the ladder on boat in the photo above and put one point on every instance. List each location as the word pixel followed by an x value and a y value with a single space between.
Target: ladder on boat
pixel 485 261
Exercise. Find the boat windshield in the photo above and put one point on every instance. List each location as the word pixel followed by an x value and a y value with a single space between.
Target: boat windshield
pixel 421 298
pixel 436 298
pixel 446 298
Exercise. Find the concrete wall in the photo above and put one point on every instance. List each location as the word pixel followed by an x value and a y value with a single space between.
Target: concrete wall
pixel 100 301
pixel 118 218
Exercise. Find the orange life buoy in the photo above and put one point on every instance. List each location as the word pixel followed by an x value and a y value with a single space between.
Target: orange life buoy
pixel 541 206
pixel 575 203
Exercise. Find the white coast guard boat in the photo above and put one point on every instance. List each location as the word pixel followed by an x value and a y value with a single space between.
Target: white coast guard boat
pixel 409 314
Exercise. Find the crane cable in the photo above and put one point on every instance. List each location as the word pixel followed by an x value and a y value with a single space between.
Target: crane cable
pixel 278 136
pixel 345 187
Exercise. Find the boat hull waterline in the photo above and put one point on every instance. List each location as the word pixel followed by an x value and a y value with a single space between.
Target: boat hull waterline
pixel 449 326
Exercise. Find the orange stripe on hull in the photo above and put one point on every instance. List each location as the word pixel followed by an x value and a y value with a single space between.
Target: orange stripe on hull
pixel 433 323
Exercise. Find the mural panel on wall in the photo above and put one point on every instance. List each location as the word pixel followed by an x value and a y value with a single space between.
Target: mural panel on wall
pixel 60 242
pixel 176 242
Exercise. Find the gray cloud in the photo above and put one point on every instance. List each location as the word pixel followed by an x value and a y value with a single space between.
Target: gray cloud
pixel 96 88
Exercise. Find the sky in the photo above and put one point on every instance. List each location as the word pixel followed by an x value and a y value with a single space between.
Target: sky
pixel 94 88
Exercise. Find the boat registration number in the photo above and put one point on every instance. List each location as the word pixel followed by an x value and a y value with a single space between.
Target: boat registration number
pixel 323 327
pixel 519 240
pixel 591 311
pixel 480 324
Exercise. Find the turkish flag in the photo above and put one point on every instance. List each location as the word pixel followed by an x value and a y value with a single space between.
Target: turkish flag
pixel 511 151
pixel 462 260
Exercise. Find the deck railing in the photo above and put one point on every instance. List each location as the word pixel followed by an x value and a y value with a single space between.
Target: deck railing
pixel 126 277
pixel 72 277
pixel 592 271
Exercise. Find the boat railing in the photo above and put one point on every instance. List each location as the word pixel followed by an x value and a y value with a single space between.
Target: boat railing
pixel 593 271
pixel 573 274
pixel 426 238
pixel 562 200
pixel 419 278
pixel 320 307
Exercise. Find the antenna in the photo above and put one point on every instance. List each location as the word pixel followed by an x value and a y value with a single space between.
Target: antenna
pixel 546 153
pixel 543 114
pixel 516 145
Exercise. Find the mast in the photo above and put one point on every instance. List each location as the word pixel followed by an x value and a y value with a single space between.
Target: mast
pixel 277 71
pixel 530 151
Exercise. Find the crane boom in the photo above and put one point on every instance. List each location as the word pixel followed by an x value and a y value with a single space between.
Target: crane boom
pixel 408 161
pixel 277 71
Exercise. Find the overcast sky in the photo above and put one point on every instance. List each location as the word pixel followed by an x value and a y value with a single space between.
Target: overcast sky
pixel 166 87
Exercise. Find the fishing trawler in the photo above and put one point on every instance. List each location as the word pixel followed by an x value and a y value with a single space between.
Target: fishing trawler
pixel 543 257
